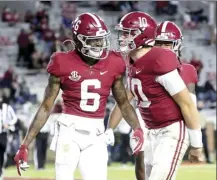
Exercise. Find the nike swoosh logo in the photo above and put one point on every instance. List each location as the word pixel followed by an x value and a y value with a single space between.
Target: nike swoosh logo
pixel 138 71
pixel 101 73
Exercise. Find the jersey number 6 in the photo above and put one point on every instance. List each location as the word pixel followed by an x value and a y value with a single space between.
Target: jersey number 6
pixel 85 95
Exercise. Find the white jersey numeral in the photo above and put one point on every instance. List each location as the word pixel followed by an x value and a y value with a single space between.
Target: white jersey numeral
pixel 143 101
pixel 85 95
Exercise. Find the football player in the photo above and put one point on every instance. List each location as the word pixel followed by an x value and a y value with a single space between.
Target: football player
pixel 85 75
pixel 170 36
pixel 170 115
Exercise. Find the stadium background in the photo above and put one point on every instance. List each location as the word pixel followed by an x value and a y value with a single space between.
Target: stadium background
pixel 47 25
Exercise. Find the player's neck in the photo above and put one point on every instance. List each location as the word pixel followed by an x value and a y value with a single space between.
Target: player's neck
pixel 89 61
pixel 138 53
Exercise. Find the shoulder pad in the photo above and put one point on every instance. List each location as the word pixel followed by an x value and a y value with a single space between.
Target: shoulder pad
pixel 166 61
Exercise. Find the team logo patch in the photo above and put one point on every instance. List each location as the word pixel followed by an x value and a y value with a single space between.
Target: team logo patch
pixel 74 76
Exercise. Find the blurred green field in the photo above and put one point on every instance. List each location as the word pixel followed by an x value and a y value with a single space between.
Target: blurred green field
pixel 117 172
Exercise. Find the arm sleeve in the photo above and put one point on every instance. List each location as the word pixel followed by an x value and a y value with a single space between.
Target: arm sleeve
pixel 166 62
pixel 172 82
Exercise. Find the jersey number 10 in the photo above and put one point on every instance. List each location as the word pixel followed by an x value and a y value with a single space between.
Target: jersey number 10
pixel 136 88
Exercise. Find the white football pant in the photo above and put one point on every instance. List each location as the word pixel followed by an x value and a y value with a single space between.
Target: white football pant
pixel 164 149
pixel 79 144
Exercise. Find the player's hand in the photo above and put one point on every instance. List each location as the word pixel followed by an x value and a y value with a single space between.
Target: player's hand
pixel 137 141
pixel 109 137
pixel 21 159
pixel 195 154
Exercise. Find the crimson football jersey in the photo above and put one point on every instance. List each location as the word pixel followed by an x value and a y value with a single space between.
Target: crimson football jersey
pixel 156 106
pixel 188 73
pixel 85 88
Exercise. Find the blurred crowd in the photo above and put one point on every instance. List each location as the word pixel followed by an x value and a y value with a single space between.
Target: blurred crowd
pixel 206 93
pixel 35 45
pixel 14 88
pixel 10 16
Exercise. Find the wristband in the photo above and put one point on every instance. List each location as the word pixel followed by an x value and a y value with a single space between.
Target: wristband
pixel 195 137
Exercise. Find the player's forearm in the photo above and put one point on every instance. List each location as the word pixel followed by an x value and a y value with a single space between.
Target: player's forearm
pixel 130 116
pixel 114 118
pixel 191 116
pixel 122 99
pixel 188 109
pixel 37 123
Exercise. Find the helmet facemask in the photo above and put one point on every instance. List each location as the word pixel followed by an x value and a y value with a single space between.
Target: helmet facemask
pixel 126 39
pixel 96 47
pixel 166 38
